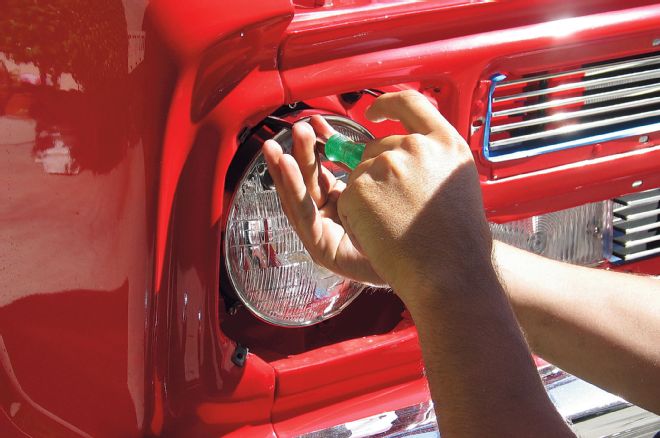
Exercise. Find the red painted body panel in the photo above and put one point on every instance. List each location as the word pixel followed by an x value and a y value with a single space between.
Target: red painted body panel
pixel 116 140
pixel 79 141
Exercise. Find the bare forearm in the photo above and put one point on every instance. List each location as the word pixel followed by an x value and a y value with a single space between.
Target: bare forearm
pixel 602 326
pixel 479 368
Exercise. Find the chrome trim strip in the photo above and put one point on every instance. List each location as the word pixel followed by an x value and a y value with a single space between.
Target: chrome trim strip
pixel 625 423
pixel 589 71
pixel 496 145
pixel 411 421
pixel 570 115
pixel 586 85
pixel 573 143
pixel 576 400
pixel 593 98
pixel 494 80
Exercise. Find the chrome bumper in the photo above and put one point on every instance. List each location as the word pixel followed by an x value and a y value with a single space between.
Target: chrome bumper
pixel 592 412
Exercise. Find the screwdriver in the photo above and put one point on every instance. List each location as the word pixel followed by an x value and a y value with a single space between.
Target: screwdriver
pixel 341 150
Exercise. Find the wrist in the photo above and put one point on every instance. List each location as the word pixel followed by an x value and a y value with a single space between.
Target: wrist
pixel 460 279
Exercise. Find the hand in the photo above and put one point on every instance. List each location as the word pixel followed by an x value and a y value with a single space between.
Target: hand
pixel 309 194
pixel 412 207
pixel 414 204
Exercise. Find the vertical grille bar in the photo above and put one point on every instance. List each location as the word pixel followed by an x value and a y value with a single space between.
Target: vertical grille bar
pixel 636 225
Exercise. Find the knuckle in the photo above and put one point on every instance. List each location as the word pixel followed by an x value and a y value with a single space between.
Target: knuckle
pixel 389 157
pixel 371 147
pixel 389 160
pixel 419 138
pixel 414 141
pixel 409 94
pixel 456 143
pixel 411 97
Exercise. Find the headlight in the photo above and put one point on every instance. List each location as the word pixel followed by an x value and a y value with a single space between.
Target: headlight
pixel 580 235
pixel 271 271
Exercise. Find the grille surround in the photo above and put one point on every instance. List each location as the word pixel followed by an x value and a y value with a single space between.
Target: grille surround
pixel 617 99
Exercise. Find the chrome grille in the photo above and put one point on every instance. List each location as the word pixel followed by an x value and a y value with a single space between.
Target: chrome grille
pixel 591 104
pixel 637 225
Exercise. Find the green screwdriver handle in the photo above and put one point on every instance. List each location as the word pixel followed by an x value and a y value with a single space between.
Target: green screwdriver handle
pixel 341 149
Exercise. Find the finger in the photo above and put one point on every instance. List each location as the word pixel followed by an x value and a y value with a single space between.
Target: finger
pixel 304 140
pixel 333 249
pixel 271 149
pixel 272 152
pixel 322 127
pixel 329 210
pixel 301 209
pixel 327 182
pixel 416 112
pixel 343 257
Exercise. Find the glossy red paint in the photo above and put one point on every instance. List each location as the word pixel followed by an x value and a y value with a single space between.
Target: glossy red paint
pixel 323 35
pixel 194 41
pixel 363 405
pixel 79 140
pixel 549 59
pixel 115 164
pixel 454 65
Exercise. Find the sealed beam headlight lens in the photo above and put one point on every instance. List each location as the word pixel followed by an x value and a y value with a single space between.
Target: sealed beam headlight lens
pixel 580 235
pixel 271 271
